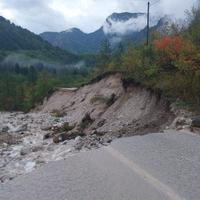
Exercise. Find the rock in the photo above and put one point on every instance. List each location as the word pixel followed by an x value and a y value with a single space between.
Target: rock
pixel 56 139
pixel 107 140
pixel 40 161
pixel 50 148
pixel 5 129
pixel 67 136
pixel 37 148
pixel 78 139
pixel 60 138
pixel 93 132
pixel 196 122
pixel 101 123
pixel 78 146
pixel 46 136
pixel 181 123
pixel 21 128
pixel 46 127
pixel 24 151
pixel 4 145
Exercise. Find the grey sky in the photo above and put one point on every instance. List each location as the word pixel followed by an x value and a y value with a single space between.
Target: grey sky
pixel 88 15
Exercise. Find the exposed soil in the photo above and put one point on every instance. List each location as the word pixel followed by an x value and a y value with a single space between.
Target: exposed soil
pixel 78 119
pixel 131 110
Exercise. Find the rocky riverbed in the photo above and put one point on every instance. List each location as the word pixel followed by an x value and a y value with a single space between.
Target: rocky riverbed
pixel 24 146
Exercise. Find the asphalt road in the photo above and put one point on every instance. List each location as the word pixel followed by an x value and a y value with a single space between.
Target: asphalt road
pixel 151 167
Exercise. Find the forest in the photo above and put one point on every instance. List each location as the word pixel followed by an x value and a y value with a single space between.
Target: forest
pixel 170 64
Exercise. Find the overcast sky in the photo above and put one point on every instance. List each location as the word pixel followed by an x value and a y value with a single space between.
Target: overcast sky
pixel 88 15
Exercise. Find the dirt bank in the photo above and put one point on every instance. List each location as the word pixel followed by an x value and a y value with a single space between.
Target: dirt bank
pixel 74 120
pixel 113 109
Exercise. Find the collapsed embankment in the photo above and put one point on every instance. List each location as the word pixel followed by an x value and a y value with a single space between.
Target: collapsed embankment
pixel 78 119
pixel 112 108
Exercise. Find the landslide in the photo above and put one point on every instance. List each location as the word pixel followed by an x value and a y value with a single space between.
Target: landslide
pixel 109 106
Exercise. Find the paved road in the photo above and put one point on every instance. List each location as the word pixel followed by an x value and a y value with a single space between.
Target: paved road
pixel 151 167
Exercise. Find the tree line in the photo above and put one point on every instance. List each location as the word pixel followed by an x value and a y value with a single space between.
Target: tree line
pixel 170 64
pixel 21 88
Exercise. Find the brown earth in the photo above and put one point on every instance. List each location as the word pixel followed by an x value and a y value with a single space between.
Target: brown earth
pixel 113 109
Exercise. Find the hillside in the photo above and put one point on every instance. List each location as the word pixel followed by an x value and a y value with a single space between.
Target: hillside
pixel 118 27
pixel 16 39
pixel 94 114
pixel 75 40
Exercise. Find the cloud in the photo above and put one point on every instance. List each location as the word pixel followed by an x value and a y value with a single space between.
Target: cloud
pixel 123 27
pixel 34 15
pixel 88 15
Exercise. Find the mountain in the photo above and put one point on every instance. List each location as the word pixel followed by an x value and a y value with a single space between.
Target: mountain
pixel 15 39
pixel 116 28
pixel 75 40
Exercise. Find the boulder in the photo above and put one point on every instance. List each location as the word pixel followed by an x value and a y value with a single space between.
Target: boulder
pixel 21 128
pixel 196 122
pixel 78 143
pixel 181 123
pixel 46 127
pixel 5 129
pixel 56 139
pixel 60 138
pixel 67 136
pixel 24 151
pixel 47 136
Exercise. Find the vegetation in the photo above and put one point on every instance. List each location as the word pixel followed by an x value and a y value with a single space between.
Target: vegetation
pixel 21 88
pixel 64 128
pixel 16 39
pixel 170 64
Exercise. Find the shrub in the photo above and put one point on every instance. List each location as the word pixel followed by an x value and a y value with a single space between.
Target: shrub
pixel 64 128
pixel 168 50
pixel 105 100
pixel 58 113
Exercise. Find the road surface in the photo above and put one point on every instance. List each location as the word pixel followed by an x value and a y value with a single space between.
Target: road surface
pixel 152 167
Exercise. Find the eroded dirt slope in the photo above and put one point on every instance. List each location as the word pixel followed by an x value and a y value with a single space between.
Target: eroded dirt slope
pixel 74 120
pixel 112 108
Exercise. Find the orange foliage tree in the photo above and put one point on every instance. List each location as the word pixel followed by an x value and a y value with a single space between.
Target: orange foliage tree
pixel 169 49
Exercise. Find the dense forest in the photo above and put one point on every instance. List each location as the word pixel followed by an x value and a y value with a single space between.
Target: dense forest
pixel 30 68
pixel 16 39
pixel 169 64
pixel 22 87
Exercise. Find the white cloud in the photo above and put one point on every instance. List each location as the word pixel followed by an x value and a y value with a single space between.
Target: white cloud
pixel 121 27
pixel 88 15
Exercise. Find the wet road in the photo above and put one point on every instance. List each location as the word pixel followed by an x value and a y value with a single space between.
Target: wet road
pixel 152 167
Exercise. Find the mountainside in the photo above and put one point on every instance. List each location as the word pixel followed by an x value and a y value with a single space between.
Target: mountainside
pixel 21 41
pixel 117 27
pixel 75 40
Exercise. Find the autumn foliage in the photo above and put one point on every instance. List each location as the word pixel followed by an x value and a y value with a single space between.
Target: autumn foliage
pixel 170 48
pixel 169 43
pixel 170 63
